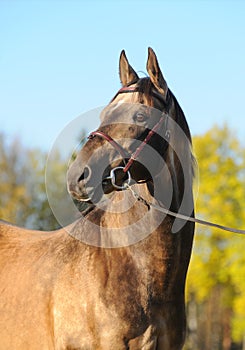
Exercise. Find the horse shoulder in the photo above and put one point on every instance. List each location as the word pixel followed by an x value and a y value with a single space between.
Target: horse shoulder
pixel 32 264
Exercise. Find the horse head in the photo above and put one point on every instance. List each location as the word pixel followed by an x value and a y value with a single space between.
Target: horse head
pixel 138 139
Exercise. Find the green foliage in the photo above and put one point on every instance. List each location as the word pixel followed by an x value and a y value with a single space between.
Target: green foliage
pixel 217 270
pixel 23 199
pixel 13 173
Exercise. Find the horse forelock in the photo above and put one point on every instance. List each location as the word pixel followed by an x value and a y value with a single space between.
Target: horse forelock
pixel 144 88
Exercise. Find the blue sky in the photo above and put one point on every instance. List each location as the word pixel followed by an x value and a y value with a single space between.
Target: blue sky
pixel 59 59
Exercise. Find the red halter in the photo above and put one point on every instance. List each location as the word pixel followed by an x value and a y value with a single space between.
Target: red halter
pixel 124 154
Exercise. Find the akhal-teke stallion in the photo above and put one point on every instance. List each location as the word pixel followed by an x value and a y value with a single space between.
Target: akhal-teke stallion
pixel 125 290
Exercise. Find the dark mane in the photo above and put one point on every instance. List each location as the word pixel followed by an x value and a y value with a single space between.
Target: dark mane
pixel 181 119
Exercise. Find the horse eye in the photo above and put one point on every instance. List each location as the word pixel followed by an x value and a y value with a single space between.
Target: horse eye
pixel 140 117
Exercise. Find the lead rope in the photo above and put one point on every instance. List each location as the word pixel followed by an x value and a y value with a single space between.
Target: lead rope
pixel 182 216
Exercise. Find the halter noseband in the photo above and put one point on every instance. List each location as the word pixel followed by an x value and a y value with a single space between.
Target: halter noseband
pixel 124 154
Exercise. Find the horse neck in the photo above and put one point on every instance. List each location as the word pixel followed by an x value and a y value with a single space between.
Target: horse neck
pixel 144 238
pixel 147 238
pixel 120 220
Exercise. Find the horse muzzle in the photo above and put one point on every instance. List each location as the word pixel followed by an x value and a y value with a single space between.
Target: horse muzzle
pixel 90 186
pixel 77 185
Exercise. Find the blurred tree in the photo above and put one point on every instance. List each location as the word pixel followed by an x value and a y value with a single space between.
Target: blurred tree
pixel 216 280
pixel 23 199
pixel 40 215
pixel 14 197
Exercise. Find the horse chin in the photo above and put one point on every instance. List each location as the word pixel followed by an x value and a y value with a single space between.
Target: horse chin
pixel 80 197
pixel 94 198
pixel 94 195
pixel 100 196
pixel 86 200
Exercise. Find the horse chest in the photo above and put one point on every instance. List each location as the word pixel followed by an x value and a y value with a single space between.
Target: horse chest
pixel 114 311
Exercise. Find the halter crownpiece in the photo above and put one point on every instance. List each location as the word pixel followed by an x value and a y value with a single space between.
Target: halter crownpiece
pixel 130 89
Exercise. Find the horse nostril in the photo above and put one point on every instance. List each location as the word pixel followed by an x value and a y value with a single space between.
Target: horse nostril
pixel 85 175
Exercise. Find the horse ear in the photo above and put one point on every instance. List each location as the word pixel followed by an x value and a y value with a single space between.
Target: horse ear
pixel 126 72
pixel 155 73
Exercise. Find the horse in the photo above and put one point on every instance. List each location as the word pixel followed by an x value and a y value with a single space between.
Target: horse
pixel 115 277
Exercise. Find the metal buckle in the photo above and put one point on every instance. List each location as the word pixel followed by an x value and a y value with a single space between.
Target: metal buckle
pixel 113 178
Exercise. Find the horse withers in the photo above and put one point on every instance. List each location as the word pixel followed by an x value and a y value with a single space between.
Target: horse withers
pixel 115 278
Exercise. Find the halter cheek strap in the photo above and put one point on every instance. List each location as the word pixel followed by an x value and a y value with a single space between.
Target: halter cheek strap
pixel 136 154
